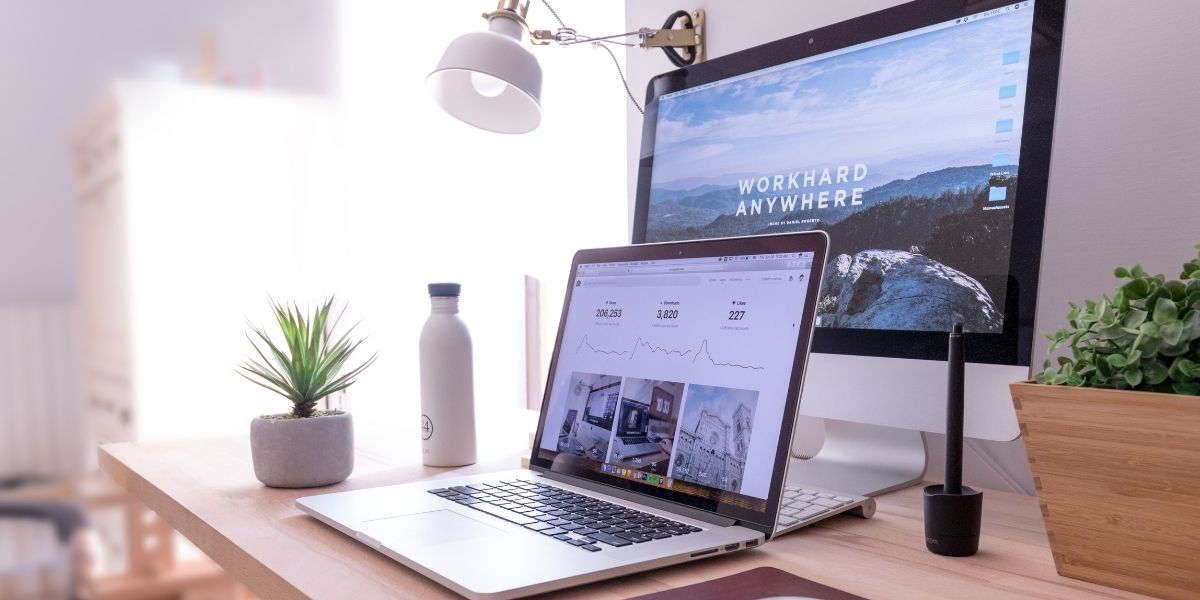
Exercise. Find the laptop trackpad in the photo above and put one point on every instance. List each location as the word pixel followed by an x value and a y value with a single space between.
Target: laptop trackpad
pixel 427 528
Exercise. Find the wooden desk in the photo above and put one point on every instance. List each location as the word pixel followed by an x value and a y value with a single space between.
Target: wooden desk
pixel 207 491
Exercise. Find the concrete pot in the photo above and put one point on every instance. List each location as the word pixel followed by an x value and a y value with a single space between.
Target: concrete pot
pixel 302 453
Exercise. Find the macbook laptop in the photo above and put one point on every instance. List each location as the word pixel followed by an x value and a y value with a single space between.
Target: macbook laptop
pixel 633 439
pixel 663 436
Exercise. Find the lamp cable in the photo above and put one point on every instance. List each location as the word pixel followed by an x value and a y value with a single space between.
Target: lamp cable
pixel 603 45
pixel 621 73
pixel 554 13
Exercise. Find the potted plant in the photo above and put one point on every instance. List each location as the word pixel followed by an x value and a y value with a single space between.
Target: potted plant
pixel 306 447
pixel 1112 430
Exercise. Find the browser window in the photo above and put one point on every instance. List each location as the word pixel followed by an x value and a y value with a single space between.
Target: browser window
pixel 674 373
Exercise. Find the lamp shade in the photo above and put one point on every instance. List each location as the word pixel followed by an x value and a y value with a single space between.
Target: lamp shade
pixel 489 79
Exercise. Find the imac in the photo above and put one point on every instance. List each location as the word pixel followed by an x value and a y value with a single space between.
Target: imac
pixel 919 138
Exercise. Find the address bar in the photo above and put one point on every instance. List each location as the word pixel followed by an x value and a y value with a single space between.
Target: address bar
pixel 641 281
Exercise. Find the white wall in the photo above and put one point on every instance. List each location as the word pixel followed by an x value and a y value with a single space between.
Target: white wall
pixel 1124 166
pixel 56 58
pixel 432 199
pixel 429 198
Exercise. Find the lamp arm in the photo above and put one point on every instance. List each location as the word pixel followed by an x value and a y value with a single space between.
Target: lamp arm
pixel 566 36
pixel 691 39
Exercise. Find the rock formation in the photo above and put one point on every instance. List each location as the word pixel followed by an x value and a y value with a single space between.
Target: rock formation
pixel 890 289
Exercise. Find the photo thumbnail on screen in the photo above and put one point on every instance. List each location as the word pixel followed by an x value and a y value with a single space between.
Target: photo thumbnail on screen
pixel 591 408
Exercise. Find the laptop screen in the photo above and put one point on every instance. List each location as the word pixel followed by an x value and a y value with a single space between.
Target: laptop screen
pixel 634 419
pixel 674 374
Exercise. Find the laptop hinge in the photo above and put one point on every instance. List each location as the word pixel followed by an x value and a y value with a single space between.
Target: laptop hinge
pixel 672 507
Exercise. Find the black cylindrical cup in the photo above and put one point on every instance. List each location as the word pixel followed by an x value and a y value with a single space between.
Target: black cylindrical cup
pixel 952 521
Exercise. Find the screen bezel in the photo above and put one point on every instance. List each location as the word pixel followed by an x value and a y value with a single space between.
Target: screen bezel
pixel 1014 344
pixel 810 241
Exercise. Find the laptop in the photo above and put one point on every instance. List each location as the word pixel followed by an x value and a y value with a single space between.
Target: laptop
pixel 633 438
pixel 698 347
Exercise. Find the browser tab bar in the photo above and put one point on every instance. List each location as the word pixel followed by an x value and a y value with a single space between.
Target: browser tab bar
pixel 750 262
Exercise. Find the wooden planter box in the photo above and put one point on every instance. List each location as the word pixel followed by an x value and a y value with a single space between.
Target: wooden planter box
pixel 1118 479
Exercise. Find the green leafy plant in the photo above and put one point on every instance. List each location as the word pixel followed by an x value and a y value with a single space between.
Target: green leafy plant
pixel 1146 337
pixel 309 365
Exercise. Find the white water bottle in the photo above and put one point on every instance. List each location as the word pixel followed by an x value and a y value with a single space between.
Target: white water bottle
pixel 447 389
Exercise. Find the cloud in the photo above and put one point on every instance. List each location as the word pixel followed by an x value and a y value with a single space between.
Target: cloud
pixel 705 151
pixel 927 92
pixel 906 67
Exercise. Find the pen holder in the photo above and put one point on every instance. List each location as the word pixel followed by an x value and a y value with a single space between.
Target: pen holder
pixel 952 521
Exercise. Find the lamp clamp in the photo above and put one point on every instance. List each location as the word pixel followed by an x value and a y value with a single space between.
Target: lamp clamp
pixel 689 39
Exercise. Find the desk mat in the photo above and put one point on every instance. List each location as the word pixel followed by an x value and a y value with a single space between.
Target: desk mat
pixel 763 582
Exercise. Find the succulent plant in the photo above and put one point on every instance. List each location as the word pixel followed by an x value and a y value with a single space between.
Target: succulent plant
pixel 1146 337
pixel 309 365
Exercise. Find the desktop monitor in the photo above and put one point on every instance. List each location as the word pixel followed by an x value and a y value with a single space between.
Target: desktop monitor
pixel 600 406
pixel 919 138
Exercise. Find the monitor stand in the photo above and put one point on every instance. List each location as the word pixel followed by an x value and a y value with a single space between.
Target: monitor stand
pixel 856 458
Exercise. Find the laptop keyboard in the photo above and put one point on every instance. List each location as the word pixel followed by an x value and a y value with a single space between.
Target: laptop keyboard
pixel 578 520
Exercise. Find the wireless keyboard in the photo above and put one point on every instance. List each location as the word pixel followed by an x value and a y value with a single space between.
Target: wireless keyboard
pixel 802 506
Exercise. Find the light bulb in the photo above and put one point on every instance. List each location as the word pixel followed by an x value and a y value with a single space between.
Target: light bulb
pixel 487 85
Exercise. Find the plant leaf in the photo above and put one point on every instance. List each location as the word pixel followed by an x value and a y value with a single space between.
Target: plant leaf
pixel 1188 388
pixel 1117 361
pixel 1136 289
pixel 1171 333
pixel 1155 372
pixel 1135 318
pixel 1165 311
pixel 259 383
pixel 1133 377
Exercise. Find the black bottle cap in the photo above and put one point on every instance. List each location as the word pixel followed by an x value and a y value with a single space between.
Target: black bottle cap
pixel 952 521
pixel 444 289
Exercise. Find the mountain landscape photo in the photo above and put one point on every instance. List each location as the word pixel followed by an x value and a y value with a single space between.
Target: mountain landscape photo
pixel 905 153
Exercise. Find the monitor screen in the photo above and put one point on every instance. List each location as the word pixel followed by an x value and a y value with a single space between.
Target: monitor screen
pixel 906 148
pixel 674 373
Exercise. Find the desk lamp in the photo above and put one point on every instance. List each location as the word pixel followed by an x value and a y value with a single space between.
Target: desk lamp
pixel 491 80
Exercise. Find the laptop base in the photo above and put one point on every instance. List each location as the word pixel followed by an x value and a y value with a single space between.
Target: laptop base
pixel 480 556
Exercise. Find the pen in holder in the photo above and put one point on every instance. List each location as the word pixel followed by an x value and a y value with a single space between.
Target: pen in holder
pixel 953 511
